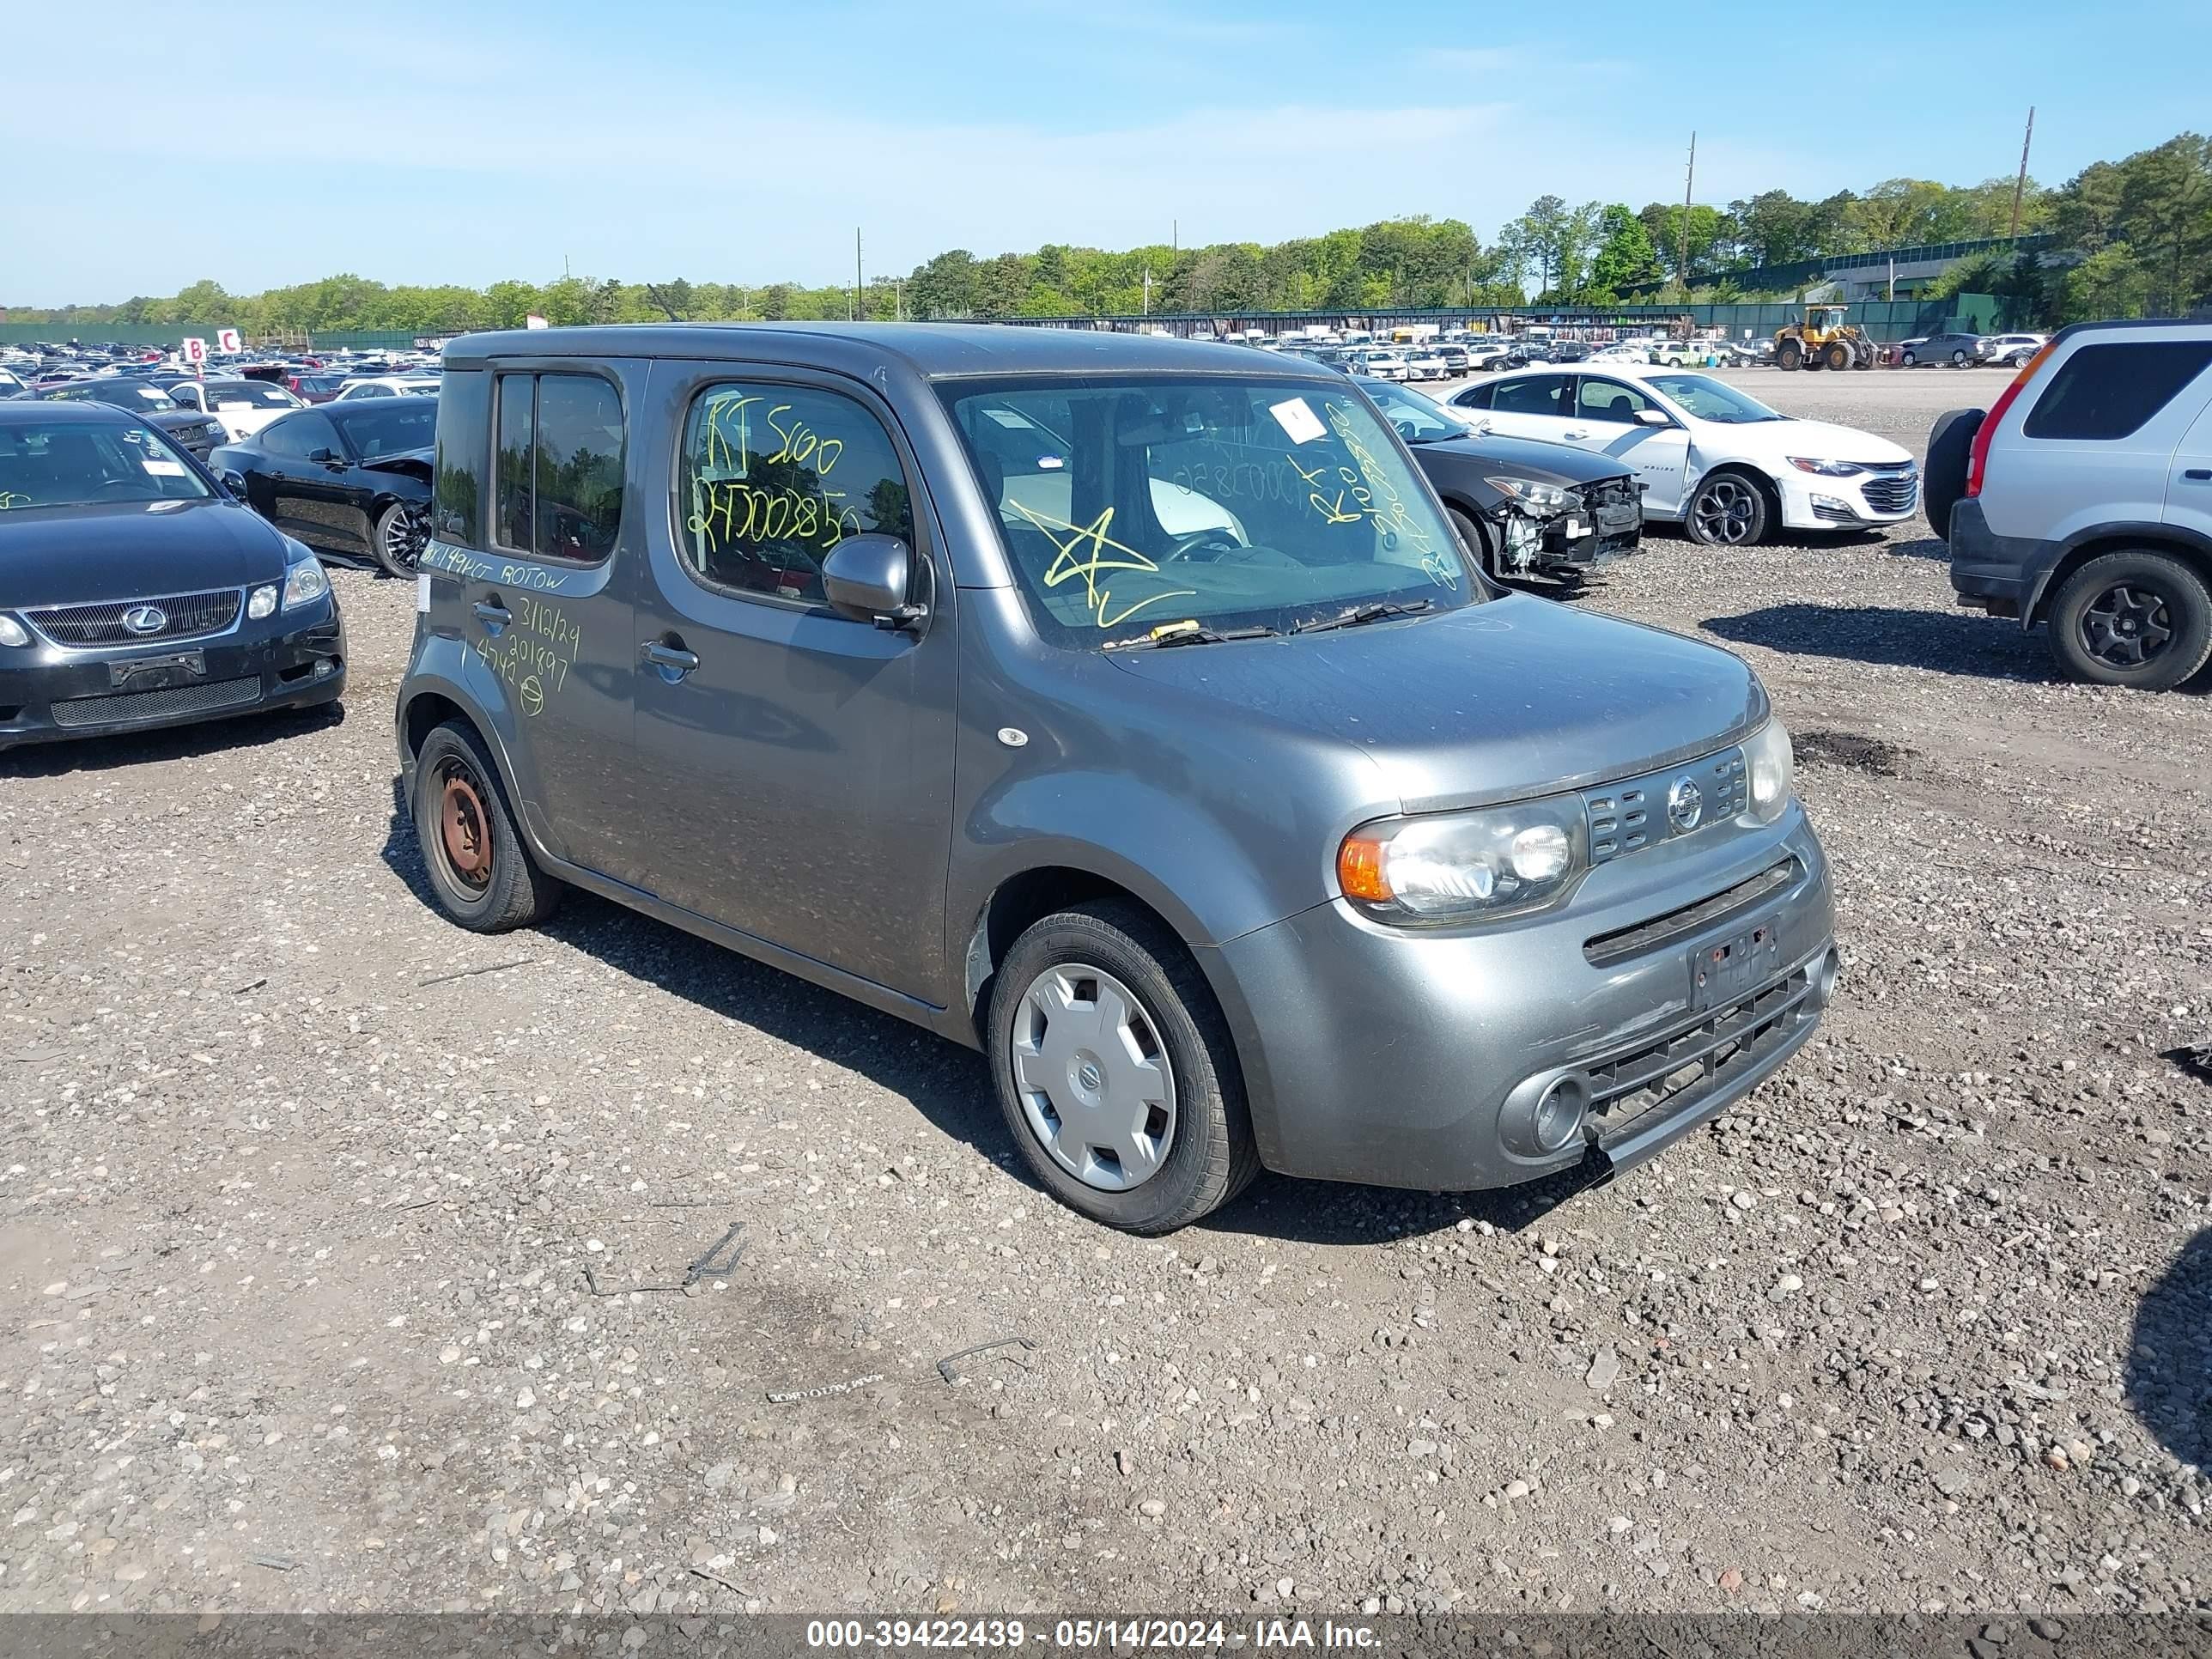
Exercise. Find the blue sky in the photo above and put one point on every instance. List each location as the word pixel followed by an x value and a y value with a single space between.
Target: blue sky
pixel 469 140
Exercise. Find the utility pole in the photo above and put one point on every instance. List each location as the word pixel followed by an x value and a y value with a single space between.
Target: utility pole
pixel 2020 184
pixel 898 299
pixel 855 313
pixel 1689 185
pixel 1148 290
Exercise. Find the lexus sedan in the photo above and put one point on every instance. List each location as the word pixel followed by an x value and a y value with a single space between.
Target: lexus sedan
pixel 351 479
pixel 136 593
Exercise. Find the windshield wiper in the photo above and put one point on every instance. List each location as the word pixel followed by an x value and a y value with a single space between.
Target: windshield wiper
pixel 1380 612
pixel 1188 633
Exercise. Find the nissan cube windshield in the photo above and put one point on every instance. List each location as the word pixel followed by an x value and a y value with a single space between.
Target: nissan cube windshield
pixel 1202 508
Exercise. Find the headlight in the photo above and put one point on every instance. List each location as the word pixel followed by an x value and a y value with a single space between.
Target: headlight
pixel 305 582
pixel 13 632
pixel 261 601
pixel 1773 765
pixel 1466 867
pixel 1536 497
pixel 1827 469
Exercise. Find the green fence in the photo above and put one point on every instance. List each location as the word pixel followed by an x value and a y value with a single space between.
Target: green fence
pixel 168 335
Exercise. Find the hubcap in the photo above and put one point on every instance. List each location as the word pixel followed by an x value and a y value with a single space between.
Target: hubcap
pixel 1093 1078
pixel 2126 626
pixel 463 835
pixel 1724 511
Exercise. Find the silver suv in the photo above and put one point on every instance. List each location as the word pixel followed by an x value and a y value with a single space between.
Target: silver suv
pixel 2083 498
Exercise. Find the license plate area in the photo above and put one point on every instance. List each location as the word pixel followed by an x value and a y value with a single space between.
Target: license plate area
pixel 158 674
pixel 1725 971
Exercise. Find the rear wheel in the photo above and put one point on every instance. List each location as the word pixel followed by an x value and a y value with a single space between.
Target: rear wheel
pixel 481 874
pixel 2141 619
pixel 1727 510
pixel 1116 1071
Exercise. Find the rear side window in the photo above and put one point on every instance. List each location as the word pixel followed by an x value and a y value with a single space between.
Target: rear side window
pixel 463 408
pixel 2107 391
pixel 772 477
pixel 560 465
pixel 1537 395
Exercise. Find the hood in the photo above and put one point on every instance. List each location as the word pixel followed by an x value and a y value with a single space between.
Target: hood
pixel 415 464
pixel 1497 702
pixel 1526 457
pixel 76 554
pixel 244 422
pixel 1821 441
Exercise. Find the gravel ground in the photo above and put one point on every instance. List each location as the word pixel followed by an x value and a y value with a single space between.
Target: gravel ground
pixel 295 1225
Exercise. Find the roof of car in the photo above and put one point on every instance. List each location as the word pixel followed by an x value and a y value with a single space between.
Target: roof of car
pixel 934 350
pixel 23 412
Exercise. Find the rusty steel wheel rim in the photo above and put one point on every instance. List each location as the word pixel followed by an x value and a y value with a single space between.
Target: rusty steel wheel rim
pixel 464 828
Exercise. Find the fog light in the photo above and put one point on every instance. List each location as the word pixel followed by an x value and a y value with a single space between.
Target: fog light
pixel 324 668
pixel 1559 1112
pixel 262 604
pixel 1833 504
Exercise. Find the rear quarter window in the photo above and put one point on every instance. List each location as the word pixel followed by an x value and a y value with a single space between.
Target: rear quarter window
pixel 2108 392
pixel 464 419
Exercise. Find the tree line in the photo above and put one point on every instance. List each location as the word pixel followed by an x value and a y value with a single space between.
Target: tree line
pixel 2135 236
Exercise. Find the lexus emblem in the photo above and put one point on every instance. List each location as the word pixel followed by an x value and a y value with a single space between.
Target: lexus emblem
pixel 1685 805
pixel 145 619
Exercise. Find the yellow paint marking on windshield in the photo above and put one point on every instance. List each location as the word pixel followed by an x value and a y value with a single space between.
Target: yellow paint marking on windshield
pixel 1068 564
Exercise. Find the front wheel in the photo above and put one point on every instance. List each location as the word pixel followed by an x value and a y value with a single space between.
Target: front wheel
pixel 1116 1071
pixel 1907 360
pixel 1476 540
pixel 397 540
pixel 1727 510
pixel 2135 619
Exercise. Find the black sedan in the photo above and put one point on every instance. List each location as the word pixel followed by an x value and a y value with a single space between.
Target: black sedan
pixel 195 432
pixel 1523 508
pixel 135 592
pixel 352 480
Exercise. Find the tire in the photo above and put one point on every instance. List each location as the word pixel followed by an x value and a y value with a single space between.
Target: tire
pixel 1839 356
pixel 1789 355
pixel 1863 357
pixel 1729 509
pixel 393 543
pixel 2137 619
pixel 1906 360
pixel 1174 1037
pixel 1959 359
pixel 507 889
pixel 1943 480
pixel 1476 540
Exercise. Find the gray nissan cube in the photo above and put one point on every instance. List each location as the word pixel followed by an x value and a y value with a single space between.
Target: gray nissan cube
pixel 1123 708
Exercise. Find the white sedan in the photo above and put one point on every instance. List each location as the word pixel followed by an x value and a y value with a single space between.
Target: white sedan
pixel 240 408
pixel 1729 469
pixel 386 385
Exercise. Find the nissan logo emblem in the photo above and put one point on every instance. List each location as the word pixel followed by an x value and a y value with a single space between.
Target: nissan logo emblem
pixel 145 619
pixel 1685 805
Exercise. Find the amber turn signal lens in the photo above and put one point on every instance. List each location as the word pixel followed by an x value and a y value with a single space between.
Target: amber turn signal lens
pixel 1359 870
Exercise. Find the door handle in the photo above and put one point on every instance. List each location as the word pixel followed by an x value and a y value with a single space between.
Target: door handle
pixel 673 661
pixel 2199 474
pixel 493 613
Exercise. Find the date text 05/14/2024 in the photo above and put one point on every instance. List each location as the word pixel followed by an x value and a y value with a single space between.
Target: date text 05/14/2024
pixel 1183 1635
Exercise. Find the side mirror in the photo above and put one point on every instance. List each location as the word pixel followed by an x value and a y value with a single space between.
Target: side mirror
pixel 1653 417
pixel 234 485
pixel 868 577
pixel 327 457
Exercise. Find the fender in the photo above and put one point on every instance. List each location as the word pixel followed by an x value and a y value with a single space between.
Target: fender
pixel 2138 532
pixel 421 682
